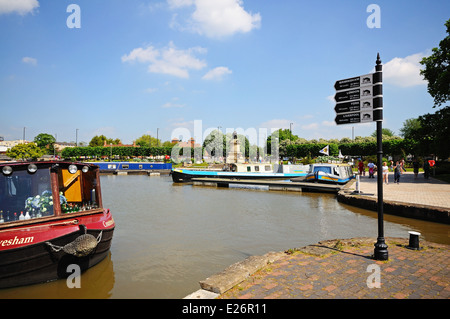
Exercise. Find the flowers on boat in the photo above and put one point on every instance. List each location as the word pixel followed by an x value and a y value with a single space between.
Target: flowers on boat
pixel 41 204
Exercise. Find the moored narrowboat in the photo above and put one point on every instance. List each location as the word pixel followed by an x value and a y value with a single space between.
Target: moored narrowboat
pixel 263 171
pixel 330 173
pixel 51 217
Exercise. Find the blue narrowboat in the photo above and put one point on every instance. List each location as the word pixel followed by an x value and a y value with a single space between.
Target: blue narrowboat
pixel 133 166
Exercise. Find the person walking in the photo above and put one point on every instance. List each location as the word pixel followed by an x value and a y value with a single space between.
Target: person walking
pixel 385 173
pixel 397 172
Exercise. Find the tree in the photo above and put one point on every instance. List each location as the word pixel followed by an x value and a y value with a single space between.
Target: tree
pixel 215 143
pixel 43 140
pixel 281 135
pixel 434 134
pixel 437 70
pixel 410 128
pixel 148 141
pixel 25 151
pixel 384 131
pixel 100 141
pixel 46 142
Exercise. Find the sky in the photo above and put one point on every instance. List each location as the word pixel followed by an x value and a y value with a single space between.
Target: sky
pixel 182 68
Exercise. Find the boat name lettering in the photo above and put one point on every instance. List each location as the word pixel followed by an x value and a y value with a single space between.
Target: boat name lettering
pixel 108 223
pixel 16 241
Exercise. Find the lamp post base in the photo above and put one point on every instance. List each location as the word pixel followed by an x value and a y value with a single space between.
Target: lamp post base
pixel 381 250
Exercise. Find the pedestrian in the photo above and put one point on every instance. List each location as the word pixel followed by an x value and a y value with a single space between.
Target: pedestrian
pixel 416 168
pixel 385 173
pixel 371 167
pixel 426 169
pixel 361 169
pixel 397 172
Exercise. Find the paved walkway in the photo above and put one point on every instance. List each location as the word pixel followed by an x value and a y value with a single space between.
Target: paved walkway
pixel 410 190
pixel 345 269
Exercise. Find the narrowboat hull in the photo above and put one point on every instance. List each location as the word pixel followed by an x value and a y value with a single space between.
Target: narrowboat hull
pixel 319 177
pixel 186 176
pixel 39 252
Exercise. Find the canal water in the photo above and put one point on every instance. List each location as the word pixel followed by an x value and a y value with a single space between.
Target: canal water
pixel 168 237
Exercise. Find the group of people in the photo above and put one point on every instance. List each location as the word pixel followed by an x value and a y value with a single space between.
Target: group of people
pixel 398 168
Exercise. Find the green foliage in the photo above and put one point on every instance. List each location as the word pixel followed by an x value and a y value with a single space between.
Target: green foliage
pixel 120 151
pixel 437 70
pixel 148 141
pixel 100 141
pixel 310 149
pixel 384 131
pixel 25 151
pixel 410 126
pixel 43 140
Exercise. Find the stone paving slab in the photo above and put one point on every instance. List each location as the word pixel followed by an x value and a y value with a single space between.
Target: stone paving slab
pixel 410 190
pixel 345 269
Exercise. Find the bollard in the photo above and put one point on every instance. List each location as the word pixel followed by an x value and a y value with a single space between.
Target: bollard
pixel 357 184
pixel 414 240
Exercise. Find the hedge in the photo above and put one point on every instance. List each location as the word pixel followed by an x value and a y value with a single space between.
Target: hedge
pixel 390 147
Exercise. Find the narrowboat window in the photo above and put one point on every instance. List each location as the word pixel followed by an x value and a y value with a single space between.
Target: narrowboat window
pixel 256 168
pixel 77 192
pixel 249 169
pixel 325 169
pixel 25 196
pixel 111 166
pixel 267 168
pixel 140 166
pixel 125 166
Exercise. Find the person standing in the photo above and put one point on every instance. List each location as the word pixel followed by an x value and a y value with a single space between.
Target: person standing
pixel 385 173
pixel 371 167
pixel 426 169
pixel 397 172
pixel 361 168
pixel 416 168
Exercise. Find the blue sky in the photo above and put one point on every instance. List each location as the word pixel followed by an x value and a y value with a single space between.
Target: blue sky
pixel 140 67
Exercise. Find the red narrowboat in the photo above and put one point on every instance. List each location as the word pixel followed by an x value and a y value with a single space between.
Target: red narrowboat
pixel 51 217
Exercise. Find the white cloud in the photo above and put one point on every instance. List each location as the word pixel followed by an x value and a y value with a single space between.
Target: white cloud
pixel 29 60
pixel 150 90
pixel 276 124
pixel 217 73
pixel 328 123
pixel 21 7
pixel 404 72
pixel 172 105
pixel 218 18
pixel 168 60
pixel 311 126
pixel 179 3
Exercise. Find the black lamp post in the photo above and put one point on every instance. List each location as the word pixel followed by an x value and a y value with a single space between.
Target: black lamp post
pixel 381 249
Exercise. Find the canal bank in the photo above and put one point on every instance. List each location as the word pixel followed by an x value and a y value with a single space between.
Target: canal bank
pixel 413 197
pixel 337 269
pixel 343 268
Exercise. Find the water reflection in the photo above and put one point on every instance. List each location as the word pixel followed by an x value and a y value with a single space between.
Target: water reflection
pixel 169 237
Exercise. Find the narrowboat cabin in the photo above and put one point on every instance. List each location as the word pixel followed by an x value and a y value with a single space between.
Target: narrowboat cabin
pixel 243 171
pixel 330 173
pixel 132 166
pixel 51 216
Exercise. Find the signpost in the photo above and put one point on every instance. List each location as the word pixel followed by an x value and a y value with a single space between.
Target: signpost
pixel 360 100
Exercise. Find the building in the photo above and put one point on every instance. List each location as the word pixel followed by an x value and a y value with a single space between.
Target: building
pixel 189 143
pixel 120 145
pixel 59 146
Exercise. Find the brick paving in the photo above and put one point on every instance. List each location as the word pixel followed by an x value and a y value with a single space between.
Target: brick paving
pixel 346 269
